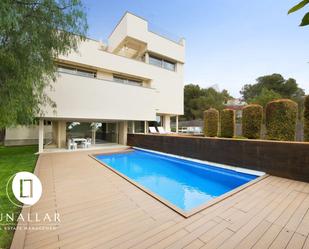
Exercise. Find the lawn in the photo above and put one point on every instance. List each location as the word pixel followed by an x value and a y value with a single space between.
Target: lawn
pixel 12 160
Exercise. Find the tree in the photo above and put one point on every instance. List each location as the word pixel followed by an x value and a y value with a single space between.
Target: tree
pixel 197 100
pixel 273 86
pixel 32 34
pixel 265 96
pixel 305 20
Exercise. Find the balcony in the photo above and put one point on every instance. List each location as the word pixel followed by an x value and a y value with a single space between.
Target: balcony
pixel 134 28
pixel 79 97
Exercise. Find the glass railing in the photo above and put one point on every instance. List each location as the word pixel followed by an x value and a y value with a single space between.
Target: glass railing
pixel 164 33
pixel 114 81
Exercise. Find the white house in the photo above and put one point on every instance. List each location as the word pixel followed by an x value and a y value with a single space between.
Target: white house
pixel 108 89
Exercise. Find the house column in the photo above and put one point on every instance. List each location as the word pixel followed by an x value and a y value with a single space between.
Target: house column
pixel 133 127
pixel 145 127
pixel 123 132
pixel 61 134
pixel 41 135
pixel 177 124
pixel 167 123
pixel 93 134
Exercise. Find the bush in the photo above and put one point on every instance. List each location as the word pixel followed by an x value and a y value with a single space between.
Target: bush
pixel 281 116
pixel 211 122
pixel 227 123
pixel 252 116
pixel 306 119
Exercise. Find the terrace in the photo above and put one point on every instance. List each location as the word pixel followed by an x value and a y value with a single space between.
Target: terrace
pixel 99 209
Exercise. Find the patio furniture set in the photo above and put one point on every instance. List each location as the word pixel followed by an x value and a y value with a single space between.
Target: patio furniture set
pixel 73 143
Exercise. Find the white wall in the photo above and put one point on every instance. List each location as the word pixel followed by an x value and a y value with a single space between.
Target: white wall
pixel 78 97
pixel 137 28
pixel 24 135
pixel 89 98
pixel 168 84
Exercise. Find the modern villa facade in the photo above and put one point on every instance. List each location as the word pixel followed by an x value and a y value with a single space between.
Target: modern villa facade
pixel 105 90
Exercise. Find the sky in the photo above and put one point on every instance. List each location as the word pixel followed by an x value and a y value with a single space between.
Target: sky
pixel 228 43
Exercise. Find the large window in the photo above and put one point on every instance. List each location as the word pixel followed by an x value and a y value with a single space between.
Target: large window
pixel 77 71
pixel 159 62
pixel 139 126
pixel 125 80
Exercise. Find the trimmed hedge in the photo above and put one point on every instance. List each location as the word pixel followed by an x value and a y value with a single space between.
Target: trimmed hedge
pixel 306 119
pixel 227 123
pixel 211 122
pixel 252 116
pixel 281 116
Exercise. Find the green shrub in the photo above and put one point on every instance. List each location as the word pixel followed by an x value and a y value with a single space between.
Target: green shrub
pixel 252 116
pixel 281 116
pixel 227 123
pixel 306 119
pixel 211 122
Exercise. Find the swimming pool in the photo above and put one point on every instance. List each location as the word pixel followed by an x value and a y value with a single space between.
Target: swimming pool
pixel 183 183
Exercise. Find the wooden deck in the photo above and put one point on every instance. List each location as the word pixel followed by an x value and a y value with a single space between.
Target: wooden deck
pixel 99 209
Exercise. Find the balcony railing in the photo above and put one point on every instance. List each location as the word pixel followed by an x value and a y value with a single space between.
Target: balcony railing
pixel 114 81
pixel 164 33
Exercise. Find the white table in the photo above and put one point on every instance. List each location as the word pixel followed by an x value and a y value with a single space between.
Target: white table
pixel 79 140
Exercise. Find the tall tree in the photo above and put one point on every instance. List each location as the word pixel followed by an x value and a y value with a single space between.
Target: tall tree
pixel 300 5
pixel 265 96
pixel 197 100
pixel 274 86
pixel 32 34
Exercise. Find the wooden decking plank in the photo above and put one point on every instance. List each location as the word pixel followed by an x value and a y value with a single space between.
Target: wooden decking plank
pixel 196 244
pixel 240 234
pixel 133 241
pixel 161 235
pixel 282 239
pixel 299 214
pixel 212 233
pixel 218 240
pixel 297 241
pixel 268 237
pixel 130 235
pixel 193 235
pixel 306 244
pixel 164 243
pixel 303 227
pixel 289 211
pixel 255 235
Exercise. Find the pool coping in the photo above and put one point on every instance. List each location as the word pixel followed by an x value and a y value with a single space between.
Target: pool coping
pixel 167 203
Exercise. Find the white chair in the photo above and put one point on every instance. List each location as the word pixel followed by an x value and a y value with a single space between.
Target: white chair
pixel 161 130
pixel 72 145
pixel 152 129
pixel 88 143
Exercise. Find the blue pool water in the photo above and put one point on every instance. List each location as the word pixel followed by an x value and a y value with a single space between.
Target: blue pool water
pixel 184 183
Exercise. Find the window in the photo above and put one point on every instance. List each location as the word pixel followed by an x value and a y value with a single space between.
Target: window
pixel 125 80
pixel 139 126
pixel 77 71
pixel 153 60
